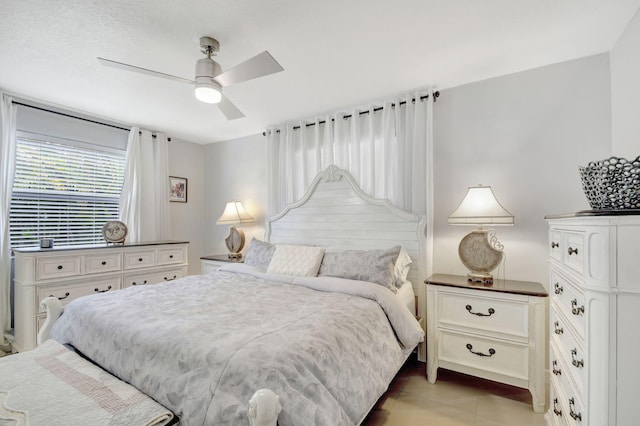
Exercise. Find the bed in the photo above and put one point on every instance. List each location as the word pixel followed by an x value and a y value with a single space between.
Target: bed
pixel 314 325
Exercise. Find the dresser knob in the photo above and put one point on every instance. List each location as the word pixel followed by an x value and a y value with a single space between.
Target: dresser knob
pixel 97 290
pixel 490 311
pixel 572 251
pixel 555 408
pixel 104 262
pixel 555 370
pixel 59 267
pixel 576 363
pixel 554 244
pixel 558 289
pixel 575 310
pixel 63 297
pixel 574 415
pixel 170 279
pixel 470 348
pixel 170 256
pixel 139 259
pixel 557 329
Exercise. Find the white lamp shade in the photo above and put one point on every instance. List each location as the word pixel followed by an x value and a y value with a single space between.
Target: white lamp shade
pixel 480 207
pixel 234 213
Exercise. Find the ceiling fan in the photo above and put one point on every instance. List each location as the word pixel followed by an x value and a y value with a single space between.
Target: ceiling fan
pixel 210 79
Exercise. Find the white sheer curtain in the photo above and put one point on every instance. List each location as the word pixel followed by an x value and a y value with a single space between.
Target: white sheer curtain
pixel 388 150
pixel 7 169
pixel 144 202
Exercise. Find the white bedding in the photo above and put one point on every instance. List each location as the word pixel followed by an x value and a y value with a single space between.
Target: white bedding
pixel 202 345
pixel 407 296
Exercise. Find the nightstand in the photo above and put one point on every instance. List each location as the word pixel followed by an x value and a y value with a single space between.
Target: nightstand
pixel 495 332
pixel 215 261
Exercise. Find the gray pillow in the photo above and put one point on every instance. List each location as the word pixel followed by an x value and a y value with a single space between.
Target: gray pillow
pixel 376 266
pixel 259 254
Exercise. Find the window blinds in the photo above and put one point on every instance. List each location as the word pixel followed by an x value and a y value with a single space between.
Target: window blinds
pixel 63 191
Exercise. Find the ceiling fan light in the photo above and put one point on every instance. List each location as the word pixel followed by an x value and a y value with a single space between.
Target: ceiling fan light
pixel 208 91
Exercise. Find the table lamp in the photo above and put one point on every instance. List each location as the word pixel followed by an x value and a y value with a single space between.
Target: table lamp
pixel 480 251
pixel 234 214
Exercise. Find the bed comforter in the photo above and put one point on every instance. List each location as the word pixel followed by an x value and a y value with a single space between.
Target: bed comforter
pixel 202 345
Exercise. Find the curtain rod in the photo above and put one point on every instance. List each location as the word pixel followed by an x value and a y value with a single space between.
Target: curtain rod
pixel 78 118
pixel 436 95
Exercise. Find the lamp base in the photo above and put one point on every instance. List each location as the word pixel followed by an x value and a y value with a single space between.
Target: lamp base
pixel 478 253
pixel 235 242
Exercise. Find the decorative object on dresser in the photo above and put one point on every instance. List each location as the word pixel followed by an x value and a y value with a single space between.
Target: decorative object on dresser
pixel 113 231
pixel 178 189
pixel 212 262
pixel 613 183
pixel 234 214
pixel 496 332
pixel 480 250
pixel 594 317
pixel 71 272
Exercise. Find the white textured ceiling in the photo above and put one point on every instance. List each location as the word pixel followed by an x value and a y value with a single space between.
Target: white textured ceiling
pixel 336 53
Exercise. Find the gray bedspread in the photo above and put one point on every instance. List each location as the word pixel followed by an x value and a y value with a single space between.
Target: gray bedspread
pixel 202 345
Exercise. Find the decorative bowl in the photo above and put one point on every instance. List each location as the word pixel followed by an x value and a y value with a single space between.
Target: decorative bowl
pixel 612 184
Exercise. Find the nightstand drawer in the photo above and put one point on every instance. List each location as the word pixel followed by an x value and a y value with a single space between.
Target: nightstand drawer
pixel 501 315
pixel 484 355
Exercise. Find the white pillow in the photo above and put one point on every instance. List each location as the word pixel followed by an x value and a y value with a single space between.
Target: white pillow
pixel 302 261
pixel 402 267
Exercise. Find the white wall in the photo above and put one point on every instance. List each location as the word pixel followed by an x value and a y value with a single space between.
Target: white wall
pixel 187 160
pixel 525 135
pixel 625 92
pixel 235 170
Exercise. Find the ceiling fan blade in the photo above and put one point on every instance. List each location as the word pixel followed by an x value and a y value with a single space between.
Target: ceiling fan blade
pixel 127 67
pixel 258 66
pixel 229 109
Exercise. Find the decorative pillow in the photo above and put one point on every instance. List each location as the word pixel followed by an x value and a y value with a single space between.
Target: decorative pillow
pixel 376 266
pixel 402 267
pixel 259 254
pixel 302 261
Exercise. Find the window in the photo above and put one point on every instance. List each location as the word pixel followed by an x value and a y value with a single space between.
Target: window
pixel 64 190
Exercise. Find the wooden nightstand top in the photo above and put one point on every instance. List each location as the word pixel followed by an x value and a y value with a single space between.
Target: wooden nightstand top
pixel 499 285
pixel 223 258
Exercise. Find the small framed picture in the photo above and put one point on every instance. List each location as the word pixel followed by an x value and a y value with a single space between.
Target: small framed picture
pixel 178 188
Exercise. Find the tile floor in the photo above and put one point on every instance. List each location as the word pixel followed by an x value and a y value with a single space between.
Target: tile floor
pixel 455 399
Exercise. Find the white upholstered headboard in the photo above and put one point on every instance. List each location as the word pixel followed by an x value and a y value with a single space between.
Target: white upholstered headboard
pixel 335 212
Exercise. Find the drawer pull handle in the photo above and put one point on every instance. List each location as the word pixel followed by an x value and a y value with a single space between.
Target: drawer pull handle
pixel 574 415
pixel 558 289
pixel 135 283
pixel 576 363
pixel 104 262
pixel 170 279
pixel 97 290
pixel 480 314
pixel 555 408
pixel 59 267
pixel 63 297
pixel 554 244
pixel 491 351
pixel 575 310
pixel 557 329
pixel 572 251
pixel 556 371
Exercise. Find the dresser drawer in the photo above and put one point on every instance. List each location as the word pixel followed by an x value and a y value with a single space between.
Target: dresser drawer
pixel 139 259
pixel 569 299
pixel 556 244
pixel 104 262
pixel 573 253
pixel 484 355
pixel 153 277
pixel 57 267
pixel 67 293
pixel 171 256
pixel 558 409
pixel 567 348
pixel 503 316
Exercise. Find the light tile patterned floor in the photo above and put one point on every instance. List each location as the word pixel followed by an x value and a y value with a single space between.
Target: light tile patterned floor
pixel 455 399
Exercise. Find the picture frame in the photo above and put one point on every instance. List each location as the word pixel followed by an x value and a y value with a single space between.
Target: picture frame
pixel 177 189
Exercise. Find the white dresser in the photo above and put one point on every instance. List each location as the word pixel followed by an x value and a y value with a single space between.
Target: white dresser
pixel 72 272
pixel 495 332
pixel 594 319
